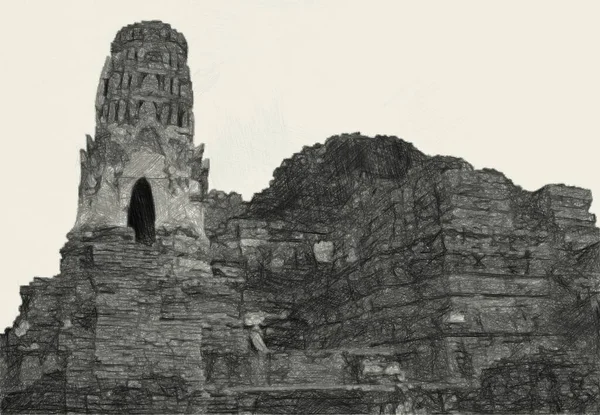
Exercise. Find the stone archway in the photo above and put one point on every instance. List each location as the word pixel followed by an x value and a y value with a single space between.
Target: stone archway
pixel 141 214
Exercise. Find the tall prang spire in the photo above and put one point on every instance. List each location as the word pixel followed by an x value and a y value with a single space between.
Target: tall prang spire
pixel 146 79
pixel 144 132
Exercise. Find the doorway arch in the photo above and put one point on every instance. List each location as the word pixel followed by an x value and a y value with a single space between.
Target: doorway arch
pixel 141 214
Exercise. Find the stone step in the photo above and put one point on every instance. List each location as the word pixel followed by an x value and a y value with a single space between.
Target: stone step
pixel 311 387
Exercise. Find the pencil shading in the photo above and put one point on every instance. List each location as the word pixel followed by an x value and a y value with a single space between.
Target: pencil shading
pixel 368 277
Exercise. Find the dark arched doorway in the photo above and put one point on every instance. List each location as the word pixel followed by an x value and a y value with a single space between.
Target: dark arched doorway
pixel 141 214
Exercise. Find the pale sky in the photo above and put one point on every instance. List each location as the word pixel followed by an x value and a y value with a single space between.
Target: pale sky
pixel 510 85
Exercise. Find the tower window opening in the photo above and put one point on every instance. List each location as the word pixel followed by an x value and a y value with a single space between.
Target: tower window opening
pixel 141 214
pixel 180 118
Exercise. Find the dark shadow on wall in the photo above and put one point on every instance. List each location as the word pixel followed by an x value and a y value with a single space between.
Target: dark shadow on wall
pixel 141 214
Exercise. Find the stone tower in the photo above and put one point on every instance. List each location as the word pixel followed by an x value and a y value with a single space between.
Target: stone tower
pixel 142 169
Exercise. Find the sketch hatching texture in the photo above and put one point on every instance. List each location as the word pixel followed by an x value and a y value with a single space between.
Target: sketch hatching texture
pixel 367 278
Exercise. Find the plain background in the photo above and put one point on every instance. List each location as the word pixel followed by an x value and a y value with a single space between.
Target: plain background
pixel 512 85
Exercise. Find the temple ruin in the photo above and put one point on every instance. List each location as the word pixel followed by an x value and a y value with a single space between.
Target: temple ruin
pixel 367 278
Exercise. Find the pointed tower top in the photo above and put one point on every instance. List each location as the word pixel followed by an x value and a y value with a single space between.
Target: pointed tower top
pixel 148 33
pixel 142 160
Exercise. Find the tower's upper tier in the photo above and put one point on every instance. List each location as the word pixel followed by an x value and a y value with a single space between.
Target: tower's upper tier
pixel 147 33
pixel 146 79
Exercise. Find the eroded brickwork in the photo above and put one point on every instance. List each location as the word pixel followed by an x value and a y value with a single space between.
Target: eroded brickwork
pixel 367 278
